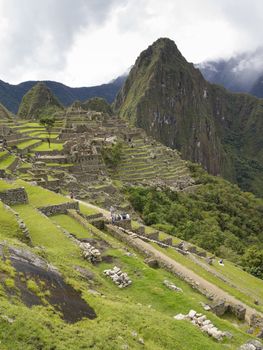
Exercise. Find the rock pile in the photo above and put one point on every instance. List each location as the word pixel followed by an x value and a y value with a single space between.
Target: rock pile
pixel 204 324
pixel 120 278
pixel 172 286
pixel 90 253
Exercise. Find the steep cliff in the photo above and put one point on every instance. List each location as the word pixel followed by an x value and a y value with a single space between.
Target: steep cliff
pixel 170 99
pixel 38 101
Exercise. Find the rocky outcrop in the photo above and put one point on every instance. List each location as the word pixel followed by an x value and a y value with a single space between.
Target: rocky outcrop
pixel 170 99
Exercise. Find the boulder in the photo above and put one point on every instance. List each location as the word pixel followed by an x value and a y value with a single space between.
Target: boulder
pixel 180 317
pixel 191 314
pixel 239 311
pixel 219 307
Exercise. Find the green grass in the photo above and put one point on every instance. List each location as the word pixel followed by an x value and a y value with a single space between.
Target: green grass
pixel 44 135
pixel 8 225
pixel 249 287
pixel 5 163
pixel 72 226
pixel 37 195
pixel 3 153
pixel 26 144
pixel 86 210
pixel 45 147
pixel 146 307
pixel 62 165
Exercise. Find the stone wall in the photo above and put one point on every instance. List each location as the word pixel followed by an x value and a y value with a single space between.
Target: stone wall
pixel 14 196
pixel 59 208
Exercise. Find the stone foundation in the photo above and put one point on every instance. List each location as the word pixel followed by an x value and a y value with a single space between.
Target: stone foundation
pixel 14 196
pixel 59 208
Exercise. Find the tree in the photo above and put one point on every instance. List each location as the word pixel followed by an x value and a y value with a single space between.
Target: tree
pixel 48 123
pixel 253 261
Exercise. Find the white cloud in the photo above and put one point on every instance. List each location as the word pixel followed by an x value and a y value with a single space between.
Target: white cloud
pixel 86 42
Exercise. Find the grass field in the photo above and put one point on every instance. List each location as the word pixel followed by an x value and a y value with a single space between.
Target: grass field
pixel 45 147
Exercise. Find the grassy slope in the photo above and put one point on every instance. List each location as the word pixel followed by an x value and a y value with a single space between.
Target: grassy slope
pixel 119 313
pixel 248 289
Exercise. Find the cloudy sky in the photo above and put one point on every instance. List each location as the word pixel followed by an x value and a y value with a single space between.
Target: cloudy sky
pixel 88 42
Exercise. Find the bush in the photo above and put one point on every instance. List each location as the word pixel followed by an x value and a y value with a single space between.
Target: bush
pixel 112 155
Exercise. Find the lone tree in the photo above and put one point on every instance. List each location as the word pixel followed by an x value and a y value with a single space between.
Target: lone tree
pixel 48 123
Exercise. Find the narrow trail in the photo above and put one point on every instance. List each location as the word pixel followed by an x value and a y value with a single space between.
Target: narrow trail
pixel 183 271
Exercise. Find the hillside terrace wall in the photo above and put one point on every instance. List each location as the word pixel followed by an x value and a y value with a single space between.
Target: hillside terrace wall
pixel 59 208
pixel 14 196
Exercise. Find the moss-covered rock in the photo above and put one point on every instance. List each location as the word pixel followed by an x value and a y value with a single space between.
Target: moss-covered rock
pixel 170 99
pixel 39 102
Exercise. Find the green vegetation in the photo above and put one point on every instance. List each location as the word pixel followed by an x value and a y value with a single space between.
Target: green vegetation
pixel 146 307
pixel 39 102
pixel 112 154
pixel 45 146
pixel 8 225
pixel 5 163
pixel 48 123
pixel 217 216
pixel 97 104
pixel 87 210
pixel 26 144
pixel 222 130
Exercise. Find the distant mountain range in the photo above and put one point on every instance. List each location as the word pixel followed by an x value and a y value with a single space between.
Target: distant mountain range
pixel 240 73
pixel 11 95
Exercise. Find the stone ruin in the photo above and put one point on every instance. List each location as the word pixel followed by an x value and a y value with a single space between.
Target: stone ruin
pixel 118 277
pixel 90 253
pixel 80 150
pixel 204 324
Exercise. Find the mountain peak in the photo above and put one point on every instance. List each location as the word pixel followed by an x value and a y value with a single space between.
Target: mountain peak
pixel 170 99
pixel 38 101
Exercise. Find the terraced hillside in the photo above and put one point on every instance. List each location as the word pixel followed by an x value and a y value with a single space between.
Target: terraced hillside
pixel 142 160
pixel 54 296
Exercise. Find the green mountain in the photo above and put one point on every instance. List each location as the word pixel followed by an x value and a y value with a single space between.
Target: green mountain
pixel 170 99
pixel 97 104
pixel 39 101
pixel 4 113
pixel 11 95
